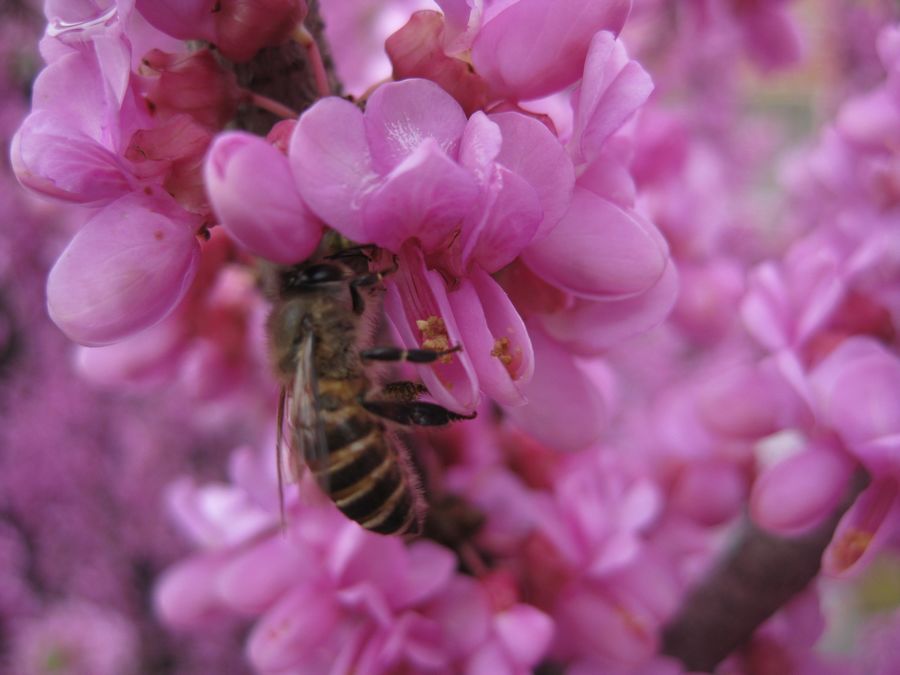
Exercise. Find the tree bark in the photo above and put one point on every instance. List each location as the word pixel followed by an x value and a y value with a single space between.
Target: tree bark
pixel 752 582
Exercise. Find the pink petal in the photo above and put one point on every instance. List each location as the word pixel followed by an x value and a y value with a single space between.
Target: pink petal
pixel 415 296
pixel 599 250
pixel 799 492
pixel 417 50
pixel 746 402
pixel 332 166
pixel 464 615
pixel 457 14
pixel 594 625
pixel 711 493
pixel 480 145
pixel 400 116
pixel 766 307
pixel 508 218
pixel 612 90
pixel 494 337
pixel 566 408
pixel 59 162
pixel 244 590
pixel 425 197
pixel 149 357
pixel 525 632
pixel 430 568
pixel 530 150
pixel 252 191
pixel 217 515
pixel 185 595
pixel 300 628
pixel 183 19
pixel 533 48
pixel 76 90
pixel 124 271
pixel 858 390
pixel 609 177
pixel 869 525
pixel 770 36
pixel 592 327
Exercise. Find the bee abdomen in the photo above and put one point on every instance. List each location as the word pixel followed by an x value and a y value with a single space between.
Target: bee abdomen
pixel 381 499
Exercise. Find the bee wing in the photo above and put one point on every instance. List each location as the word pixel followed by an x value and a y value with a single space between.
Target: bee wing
pixel 308 432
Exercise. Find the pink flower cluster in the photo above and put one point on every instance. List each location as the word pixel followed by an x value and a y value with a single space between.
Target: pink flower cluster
pixel 537 192
pixel 828 315
pixel 523 246
pixel 121 119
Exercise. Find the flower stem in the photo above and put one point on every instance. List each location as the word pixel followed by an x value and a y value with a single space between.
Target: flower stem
pixel 306 40
pixel 271 105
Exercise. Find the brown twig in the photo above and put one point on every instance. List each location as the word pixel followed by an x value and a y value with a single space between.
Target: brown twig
pixel 284 74
pixel 755 579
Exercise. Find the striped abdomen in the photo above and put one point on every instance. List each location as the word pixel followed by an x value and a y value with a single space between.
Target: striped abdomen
pixel 362 470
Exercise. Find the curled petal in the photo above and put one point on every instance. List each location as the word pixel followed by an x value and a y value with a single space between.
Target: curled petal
pixel 599 250
pixel 400 116
pixel 566 407
pixel 124 271
pixel 592 327
pixel 62 163
pixel 494 336
pixel 612 90
pixel 530 150
pixel 799 492
pixel 533 48
pixel 866 527
pixel 332 166
pixel 419 309
pixel 425 197
pixel 253 193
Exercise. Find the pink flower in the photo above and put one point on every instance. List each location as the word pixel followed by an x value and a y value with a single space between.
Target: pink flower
pixel 527 49
pixel 239 28
pixel 252 191
pixel 77 637
pixel 457 199
pixel 124 270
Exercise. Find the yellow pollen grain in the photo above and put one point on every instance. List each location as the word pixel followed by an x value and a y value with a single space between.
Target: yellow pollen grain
pixel 434 336
pixel 501 351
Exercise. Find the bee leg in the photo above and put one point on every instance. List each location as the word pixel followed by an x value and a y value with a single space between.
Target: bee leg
pixel 365 281
pixel 418 413
pixel 403 391
pixel 279 439
pixel 411 355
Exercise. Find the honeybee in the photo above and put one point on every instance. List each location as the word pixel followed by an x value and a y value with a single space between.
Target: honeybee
pixel 320 339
